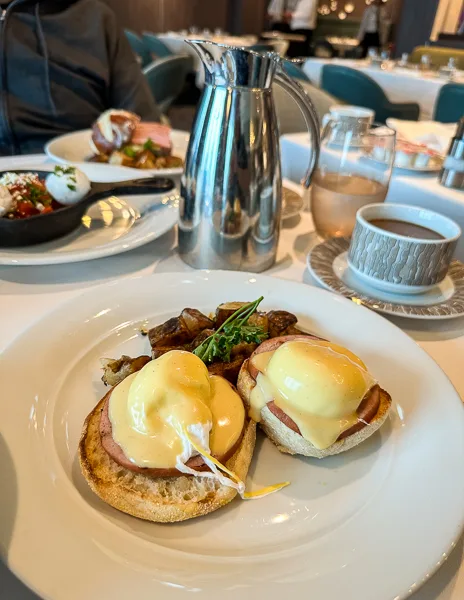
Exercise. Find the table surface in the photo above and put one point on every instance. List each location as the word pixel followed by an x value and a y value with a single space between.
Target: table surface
pixel 46 287
pixel 400 85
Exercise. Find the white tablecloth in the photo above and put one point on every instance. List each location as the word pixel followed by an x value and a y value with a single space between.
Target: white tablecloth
pixel 28 293
pixel 419 190
pixel 400 85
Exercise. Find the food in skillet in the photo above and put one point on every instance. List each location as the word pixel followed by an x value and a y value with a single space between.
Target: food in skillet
pixel 120 138
pixel 24 195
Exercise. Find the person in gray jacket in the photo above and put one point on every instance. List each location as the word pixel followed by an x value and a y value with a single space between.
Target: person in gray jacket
pixel 62 63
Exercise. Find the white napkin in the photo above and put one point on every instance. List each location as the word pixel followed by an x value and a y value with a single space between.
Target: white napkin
pixel 434 135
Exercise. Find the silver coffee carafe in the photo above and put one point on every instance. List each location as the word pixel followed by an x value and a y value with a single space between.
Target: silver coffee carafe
pixel 231 190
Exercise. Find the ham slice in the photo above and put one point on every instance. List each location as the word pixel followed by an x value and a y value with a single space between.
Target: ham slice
pixel 159 134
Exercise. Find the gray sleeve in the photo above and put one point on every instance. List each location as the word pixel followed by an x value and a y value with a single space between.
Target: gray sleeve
pixel 128 87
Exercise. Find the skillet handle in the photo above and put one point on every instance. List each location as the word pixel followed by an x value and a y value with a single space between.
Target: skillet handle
pixel 152 185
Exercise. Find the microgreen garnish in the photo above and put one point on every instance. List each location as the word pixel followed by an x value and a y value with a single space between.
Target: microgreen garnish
pixel 60 171
pixel 37 194
pixel 130 151
pixel 68 172
pixel 235 330
pixel 152 147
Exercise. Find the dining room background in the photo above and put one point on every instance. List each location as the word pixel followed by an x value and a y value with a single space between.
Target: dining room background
pixel 165 15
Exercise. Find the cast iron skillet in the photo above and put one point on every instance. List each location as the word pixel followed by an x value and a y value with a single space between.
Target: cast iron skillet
pixel 44 228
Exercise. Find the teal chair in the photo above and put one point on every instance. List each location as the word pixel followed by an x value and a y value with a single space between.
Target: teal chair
pixel 450 103
pixel 139 48
pixel 156 46
pixel 166 78
pixel 353 87
pixel 295 71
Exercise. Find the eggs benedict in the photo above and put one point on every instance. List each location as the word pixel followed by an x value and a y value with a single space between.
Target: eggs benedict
pixel 170 442
pixel 311 396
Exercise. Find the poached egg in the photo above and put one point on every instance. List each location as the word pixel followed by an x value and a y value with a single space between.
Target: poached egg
pixel 67 185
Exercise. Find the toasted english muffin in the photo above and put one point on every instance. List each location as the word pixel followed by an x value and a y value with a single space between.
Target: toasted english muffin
pixel 158 499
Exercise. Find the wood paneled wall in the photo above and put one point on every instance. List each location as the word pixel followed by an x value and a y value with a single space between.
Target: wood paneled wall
pixel 182 14
pixel 166 15
pixel 253 16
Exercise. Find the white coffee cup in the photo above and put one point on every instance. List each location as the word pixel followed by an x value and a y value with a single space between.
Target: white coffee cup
pixel 396 263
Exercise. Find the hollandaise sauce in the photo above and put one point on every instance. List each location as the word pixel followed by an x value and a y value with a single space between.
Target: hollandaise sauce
pixel 318 384
pixel 151 410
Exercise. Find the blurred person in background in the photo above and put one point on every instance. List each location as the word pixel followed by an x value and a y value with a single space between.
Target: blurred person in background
pixel 374 28
pixel 63 63
pixel 294 16
pixel 303 19
pixel 278 14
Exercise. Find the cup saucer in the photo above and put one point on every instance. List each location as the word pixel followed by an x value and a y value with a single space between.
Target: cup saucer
pixel 328 264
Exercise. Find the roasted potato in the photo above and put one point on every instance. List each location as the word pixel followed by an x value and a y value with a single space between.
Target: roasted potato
pixel 115 371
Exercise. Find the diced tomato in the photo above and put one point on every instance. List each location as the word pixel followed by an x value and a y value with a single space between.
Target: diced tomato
pixel 26 209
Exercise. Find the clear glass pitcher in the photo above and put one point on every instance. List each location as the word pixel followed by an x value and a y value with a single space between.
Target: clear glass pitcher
pixel 232 186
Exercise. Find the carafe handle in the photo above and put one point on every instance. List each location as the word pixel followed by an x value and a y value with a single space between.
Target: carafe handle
pixel 297 92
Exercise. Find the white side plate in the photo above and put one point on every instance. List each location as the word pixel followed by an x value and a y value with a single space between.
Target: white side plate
pixel 74 148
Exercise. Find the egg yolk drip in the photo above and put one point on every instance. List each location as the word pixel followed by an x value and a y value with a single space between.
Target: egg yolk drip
pixel 318 384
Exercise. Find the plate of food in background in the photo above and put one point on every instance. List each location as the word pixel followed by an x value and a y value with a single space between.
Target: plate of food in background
pixel 409 156
pixel 121 146
pixel 134 447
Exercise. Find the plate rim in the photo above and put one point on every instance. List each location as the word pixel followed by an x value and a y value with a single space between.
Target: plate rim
pixel 61 308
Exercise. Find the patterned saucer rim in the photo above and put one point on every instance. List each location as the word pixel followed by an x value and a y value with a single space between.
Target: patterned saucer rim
pixel 320 263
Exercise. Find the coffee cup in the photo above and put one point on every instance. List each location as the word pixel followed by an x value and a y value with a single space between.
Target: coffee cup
pixel 402 249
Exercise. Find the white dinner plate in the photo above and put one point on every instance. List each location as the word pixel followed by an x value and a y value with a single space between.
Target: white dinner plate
pixel 373 523
pixel 74 148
